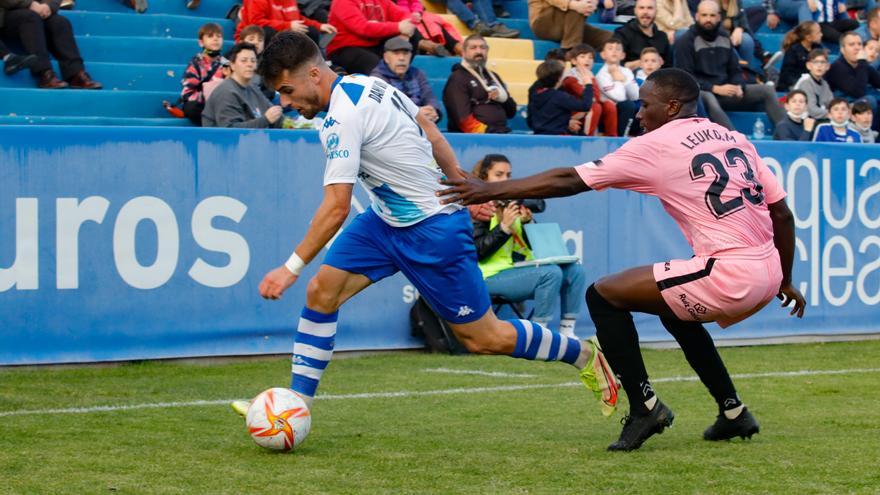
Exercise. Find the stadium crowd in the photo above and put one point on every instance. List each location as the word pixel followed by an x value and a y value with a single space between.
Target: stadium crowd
pixel 587 86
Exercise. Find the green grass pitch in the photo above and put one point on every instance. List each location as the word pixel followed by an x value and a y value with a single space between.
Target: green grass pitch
pixel 529 428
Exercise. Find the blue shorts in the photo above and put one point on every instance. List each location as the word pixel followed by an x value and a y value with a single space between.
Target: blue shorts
pixel 437 255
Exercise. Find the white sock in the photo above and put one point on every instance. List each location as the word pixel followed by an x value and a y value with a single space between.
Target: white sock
pixel 735 412
pixel 650 403
pixel 566 327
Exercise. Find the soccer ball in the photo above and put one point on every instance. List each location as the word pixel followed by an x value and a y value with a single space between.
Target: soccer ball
pixel 278 419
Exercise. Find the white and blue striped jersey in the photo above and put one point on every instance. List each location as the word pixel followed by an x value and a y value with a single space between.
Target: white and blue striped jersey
pixel 370 133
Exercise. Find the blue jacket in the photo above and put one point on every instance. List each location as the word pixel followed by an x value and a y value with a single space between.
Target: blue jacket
pixel 550 109
pixel 825 133
pixel 413 84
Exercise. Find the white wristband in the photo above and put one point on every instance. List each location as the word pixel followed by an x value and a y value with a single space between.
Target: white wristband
pixel 295 264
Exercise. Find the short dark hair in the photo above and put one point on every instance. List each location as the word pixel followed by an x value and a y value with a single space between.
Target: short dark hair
pixel 549 72
pixel 238 48
pixel 837 101
pixel 210 28
pixel 846 35
pixel 860 107
pixel 676 84
pixel 580 49
pixel 611 41
pixel 481 170
pixel 649 49
pixel 287 51
pixel 473 37
pixel 252 30
pixel 794 92
pixel 816 53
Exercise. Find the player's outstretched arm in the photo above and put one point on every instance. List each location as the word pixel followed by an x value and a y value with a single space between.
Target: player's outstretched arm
pixel 329 217
pixel 443 153
pixel 784 238
pixel 553 183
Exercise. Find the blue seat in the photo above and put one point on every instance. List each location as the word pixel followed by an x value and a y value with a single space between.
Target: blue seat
pixel 140 77
pixel 744 122
pixel 210 10
pixel 102 121
pixel 78 103
pixel 144 50
pixel 159 25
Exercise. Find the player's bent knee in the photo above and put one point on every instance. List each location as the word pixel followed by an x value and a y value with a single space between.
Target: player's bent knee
pixel 596 303
pixel 322 297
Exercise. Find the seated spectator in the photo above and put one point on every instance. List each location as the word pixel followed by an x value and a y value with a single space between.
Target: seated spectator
pixel 275 16
pixel 445 39
pixel 363 26
pixel 501 241
pixel 833 19
pixel 715 65
pixel 819 94
pixel 790 11
pixel 641 33
pixel 565 21
pixel 797 126
pixel 673 17
pixel 13 63
pixel 255 35
pixel 618 84
pixel 237 102
pixel 476 98
pixel 203 68
pixel 837 129
pixel 481 20
pixel 736 24
pixel 872 47
pixel 580 79
pixel 797 45
pixel 850 76
pixel 36 25
pixel 550 109
pixel 862 116
pixel 209 86
pixel 649 61
pixel 396 68
pixel 870 31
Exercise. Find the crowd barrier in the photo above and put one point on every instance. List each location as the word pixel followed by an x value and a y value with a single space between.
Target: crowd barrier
pixel 122 243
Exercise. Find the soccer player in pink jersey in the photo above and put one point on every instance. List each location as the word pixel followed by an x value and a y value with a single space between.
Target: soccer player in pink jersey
pixel 732 211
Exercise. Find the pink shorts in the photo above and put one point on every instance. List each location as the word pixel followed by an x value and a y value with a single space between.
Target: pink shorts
pixel 725 289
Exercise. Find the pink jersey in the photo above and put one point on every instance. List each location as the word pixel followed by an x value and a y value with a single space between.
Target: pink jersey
pixel 709 179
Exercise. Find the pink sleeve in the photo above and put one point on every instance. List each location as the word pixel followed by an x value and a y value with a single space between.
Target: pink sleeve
pixel 773 191
pixel 634 166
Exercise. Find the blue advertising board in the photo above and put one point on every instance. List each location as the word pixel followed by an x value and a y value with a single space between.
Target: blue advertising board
pixel 122 243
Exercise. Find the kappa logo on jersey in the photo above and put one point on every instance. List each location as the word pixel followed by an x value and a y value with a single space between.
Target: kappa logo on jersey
pixel 330 122
pixel 464 311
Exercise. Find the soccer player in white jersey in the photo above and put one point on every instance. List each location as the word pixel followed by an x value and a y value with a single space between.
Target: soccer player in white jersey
pixel 375 134
pixel 732 211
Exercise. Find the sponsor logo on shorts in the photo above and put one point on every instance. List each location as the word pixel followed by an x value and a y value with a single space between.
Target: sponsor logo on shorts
pixel 696 310
pixel 464 311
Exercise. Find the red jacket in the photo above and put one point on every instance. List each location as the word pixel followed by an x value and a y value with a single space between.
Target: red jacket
pixel 364 22
pixel 277 14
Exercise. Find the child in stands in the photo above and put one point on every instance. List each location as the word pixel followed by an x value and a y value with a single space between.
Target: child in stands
pixel 649 61
pixel 815 86
pixel 579 79
pixel 862 116
pixel 203 67
pixel 550 109
pixel 837 130
pixel 618 84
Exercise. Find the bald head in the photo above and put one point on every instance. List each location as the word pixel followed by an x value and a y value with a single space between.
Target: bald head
pixel 709 6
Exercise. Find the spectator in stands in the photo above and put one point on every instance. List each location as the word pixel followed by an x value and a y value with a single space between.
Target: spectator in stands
pixel 833 19
pixel 580 79
pixel 237 102
pixel 565 21
pixel 434 28
pixel 870 31
pixel 837 129
pixel 813 83
pixel 618 84
pixel 641 33
pixel 797 44
pixel 715 65
pixel 673 16
pixel 476 98
pixel 39 29
pixel 862 116
pixel 872 50
pixel 275 16
pixel 255 35
pixel 204 67
pixel 649 61
pixel 364 25
pixel 850 75
pixel 481 20
pixel 551 110
pixel 13 63
pixel 318 10
pixel 736 24
pixel 791 11
pixel 798 125
pixel 617 11
pixel 501 241
pixel 396 68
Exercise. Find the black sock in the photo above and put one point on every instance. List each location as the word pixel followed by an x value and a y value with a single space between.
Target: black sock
pixel 701 354
pixel 620 344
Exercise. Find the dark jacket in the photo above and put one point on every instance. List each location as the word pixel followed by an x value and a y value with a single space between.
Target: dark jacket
pixel 710 62
pixel 5 5
pixel 488 241
pixel 550 109
pixel 469 106
pixel 634 41
pixel 789 130
pixel 413 84
pixel 852 81
pixel 793 65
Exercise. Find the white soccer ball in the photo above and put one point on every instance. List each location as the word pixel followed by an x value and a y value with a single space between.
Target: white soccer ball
pixel 278 419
